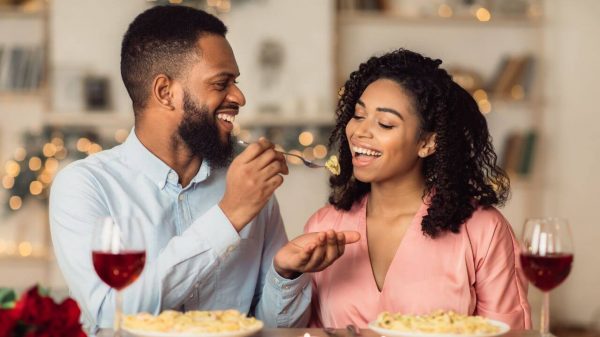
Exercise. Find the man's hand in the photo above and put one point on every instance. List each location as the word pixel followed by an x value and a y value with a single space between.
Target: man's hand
pixel 312 252
pixel 252 178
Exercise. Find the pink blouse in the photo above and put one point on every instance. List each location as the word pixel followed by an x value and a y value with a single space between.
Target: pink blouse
pixel 473 272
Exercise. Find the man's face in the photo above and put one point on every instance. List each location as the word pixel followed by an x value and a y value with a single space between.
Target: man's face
pixel 211 101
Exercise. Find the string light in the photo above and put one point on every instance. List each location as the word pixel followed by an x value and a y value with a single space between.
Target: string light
pixel 49 150
pixel 20 154
pixel 308 153
pixel 485 106
pixel 51 165
pixel 12 168
pixel 483 14
pixel 517 92
pixel 45 178
pixel 83 144
pixel 320 151
pixel 8 182
pixel 25 248
pixel 35 163
pixel 94 148
pixel 445 11
pixel 15 202
pixel 479 95
pixel 36 187
pixel 306 138
pixel 58 142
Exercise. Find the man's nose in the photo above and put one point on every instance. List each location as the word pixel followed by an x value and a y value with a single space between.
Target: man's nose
pixel 236 96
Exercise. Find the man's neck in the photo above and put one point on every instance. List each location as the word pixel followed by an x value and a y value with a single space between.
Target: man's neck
pixel 161 140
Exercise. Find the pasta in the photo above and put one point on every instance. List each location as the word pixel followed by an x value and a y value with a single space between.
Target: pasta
pixel 447 322
pixel 333 165
pixel 192 322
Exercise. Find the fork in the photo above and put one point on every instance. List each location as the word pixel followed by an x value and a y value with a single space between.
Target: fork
pixel 305 161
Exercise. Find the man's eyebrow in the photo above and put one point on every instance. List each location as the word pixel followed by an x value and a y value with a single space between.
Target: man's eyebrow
pixel 226 74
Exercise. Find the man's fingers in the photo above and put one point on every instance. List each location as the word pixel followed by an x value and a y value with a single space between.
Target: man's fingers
pixel 254 150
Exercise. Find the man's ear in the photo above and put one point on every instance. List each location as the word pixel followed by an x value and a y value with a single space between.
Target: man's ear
pixel 162 91
pixel 427 147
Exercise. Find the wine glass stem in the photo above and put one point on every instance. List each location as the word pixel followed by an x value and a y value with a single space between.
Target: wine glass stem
pixel 118 314
pixel 545 319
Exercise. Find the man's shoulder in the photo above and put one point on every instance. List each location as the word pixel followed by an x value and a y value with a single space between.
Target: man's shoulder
pixel 87 168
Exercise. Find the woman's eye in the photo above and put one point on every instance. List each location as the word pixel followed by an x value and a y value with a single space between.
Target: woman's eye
pixel 355 116
pixel 385 126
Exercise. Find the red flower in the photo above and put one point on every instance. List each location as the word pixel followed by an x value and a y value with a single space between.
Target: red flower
pixel 35 315
pixel 8 320
pixel 37 310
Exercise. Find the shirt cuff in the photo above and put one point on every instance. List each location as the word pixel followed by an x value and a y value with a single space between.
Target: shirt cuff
pixel 286 287
pixel 215 225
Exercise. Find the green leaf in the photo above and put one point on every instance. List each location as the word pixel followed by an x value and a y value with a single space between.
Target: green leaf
pixel 7 298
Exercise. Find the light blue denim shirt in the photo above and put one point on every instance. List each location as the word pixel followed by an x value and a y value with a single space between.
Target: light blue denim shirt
pixel 195 259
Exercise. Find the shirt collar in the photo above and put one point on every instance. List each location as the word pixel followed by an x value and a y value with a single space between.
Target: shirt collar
pixel 140 158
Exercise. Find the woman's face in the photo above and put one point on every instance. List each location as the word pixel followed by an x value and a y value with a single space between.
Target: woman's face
pixel 383 135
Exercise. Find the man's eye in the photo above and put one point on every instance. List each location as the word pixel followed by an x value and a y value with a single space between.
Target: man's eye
pixel 221 86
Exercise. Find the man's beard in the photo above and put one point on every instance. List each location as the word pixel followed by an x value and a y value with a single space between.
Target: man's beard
pixel 200 132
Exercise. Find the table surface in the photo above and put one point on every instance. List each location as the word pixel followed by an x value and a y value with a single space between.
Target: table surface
pixel 339 333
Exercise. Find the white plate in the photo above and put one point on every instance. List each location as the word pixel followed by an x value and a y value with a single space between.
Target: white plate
pixel 504 328
pixel 241 333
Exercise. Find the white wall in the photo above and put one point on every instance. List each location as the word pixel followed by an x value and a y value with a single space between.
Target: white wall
pixel 305 30
pixel 573 163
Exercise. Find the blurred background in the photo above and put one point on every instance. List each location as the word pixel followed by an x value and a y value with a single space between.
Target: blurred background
pixel 532 66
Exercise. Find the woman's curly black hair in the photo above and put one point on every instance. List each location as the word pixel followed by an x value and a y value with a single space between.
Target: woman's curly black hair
pixel 461 174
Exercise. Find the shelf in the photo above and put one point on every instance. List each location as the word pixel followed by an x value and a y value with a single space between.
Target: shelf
pixel 21 95
pixel 366 17
pixel 89 119
pixel 254 121
pixel 18 12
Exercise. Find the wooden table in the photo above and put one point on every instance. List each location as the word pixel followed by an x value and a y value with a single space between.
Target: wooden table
pixel 339 333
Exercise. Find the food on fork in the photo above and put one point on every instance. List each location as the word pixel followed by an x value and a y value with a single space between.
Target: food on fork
pixel 443 322
pixel 333 165
pixel 192 322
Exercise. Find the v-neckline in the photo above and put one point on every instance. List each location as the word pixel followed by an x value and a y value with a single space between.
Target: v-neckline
pixel 363 232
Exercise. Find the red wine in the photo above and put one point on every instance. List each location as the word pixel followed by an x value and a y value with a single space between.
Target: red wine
pixel 546 272
pixel 119 270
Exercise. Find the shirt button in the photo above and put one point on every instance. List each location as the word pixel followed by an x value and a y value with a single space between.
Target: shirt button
pixel 172 175
pixel 181 197
pixel 230 249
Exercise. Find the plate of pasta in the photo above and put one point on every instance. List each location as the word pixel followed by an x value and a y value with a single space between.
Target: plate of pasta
pixel 439 323
pixel 217 323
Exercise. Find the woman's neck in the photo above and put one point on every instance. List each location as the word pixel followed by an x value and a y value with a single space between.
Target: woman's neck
pixel 396 198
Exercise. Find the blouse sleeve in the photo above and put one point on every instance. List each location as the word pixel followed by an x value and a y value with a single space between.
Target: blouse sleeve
pixel 500 285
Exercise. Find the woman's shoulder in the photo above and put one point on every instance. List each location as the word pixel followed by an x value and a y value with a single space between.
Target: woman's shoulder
pixel 487 225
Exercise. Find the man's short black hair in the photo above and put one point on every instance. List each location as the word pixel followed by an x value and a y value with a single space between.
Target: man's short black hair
pixel 162 40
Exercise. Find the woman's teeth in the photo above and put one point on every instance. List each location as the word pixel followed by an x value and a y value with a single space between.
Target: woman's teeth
pixel 366 152
pixel 226 117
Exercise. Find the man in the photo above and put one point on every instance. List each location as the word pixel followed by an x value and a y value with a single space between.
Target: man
pixel 216 236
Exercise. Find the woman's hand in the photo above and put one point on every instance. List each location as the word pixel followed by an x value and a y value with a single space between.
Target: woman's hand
pixel 312 252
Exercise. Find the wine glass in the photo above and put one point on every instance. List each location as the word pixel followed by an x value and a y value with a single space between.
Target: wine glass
pixel 546 258
pixel 118 255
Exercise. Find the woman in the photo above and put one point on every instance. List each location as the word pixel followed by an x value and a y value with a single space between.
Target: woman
pixel 419 182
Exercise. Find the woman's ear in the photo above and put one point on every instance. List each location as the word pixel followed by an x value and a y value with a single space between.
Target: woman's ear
pixel 162 91
pixel 427 146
